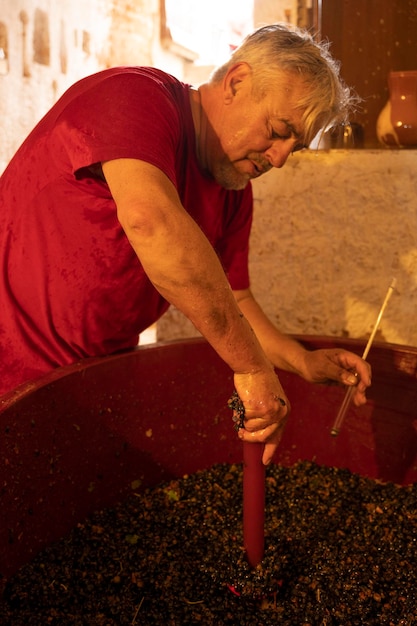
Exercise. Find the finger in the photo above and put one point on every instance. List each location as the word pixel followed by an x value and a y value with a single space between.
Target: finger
pixel 268 434
pixel 269 451
pixel 260 435
pixel 359 368
pixel 267 428
pixel 359 397
pixel 349 378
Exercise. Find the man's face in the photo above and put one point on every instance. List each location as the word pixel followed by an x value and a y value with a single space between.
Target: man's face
pixel 254 136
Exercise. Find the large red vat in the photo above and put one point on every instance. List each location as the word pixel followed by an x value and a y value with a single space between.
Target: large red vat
pixel 84 436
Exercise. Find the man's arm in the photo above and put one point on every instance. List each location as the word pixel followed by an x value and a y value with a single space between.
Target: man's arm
pixel 184 268
pixel 287 354
pixel 179 260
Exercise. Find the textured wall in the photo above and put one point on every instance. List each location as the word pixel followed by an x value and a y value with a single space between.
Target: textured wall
pixel 72 40
pixel 331 229
pixel 75 38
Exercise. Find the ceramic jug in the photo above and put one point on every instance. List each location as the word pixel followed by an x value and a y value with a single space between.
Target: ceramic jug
pixel 397 123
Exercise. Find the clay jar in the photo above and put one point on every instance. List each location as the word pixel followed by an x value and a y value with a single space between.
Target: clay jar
pixel 397 123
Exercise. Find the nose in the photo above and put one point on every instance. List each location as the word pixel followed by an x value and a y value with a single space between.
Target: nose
pixel 278 153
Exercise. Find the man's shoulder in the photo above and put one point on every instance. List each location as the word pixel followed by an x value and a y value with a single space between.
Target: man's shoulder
pixel 131 72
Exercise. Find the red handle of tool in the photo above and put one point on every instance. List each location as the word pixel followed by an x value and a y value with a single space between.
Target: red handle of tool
pixel 253 502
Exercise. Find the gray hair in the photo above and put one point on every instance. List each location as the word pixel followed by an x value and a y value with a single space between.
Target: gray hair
pixel 327 100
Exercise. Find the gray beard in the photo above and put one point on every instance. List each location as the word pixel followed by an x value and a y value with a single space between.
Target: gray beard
pixel 228 177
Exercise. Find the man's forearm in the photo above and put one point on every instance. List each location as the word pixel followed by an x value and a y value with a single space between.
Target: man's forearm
pixel 283 351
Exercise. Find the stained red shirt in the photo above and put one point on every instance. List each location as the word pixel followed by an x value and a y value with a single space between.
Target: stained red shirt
pixel 71 284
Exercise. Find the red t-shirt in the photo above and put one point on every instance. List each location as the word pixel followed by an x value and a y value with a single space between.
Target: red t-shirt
pixel 71 284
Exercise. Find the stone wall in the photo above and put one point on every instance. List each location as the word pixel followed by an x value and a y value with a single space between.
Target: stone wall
pixel 45 46
pixel 49 45
pixel 331 229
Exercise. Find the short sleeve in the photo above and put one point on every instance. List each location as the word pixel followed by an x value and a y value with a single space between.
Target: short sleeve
pixel 141 123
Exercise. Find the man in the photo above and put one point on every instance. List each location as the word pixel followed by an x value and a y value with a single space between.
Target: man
pixel 134 193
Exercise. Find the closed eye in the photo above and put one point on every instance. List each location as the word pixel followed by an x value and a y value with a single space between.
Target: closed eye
pixel 275 135
pixel 298 147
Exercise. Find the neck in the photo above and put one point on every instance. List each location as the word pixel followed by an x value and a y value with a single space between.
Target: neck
pixel 197 113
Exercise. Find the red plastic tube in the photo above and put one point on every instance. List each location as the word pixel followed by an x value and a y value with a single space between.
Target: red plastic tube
pixel 253 502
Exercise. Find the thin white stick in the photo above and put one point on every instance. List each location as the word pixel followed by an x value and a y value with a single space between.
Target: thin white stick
pixel 349 392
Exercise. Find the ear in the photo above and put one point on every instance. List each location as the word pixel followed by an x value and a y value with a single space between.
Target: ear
pixel 238 76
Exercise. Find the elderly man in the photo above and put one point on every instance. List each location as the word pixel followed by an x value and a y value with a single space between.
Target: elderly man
pixel 134 193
